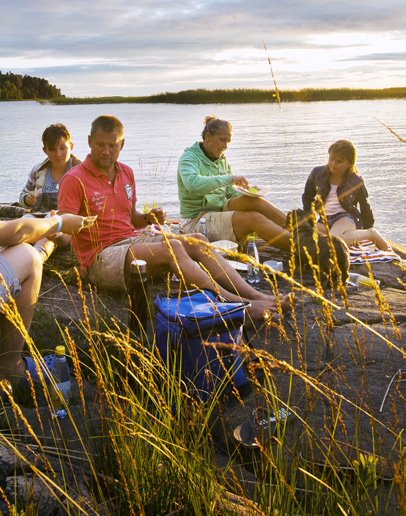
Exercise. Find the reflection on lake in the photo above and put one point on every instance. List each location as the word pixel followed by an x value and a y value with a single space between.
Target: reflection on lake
pixel 272 146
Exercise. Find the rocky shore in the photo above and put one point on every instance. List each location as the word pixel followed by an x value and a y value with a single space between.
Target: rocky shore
pixel 360 360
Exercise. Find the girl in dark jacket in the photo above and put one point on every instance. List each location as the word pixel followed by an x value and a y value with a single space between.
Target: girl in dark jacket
pixel 344 196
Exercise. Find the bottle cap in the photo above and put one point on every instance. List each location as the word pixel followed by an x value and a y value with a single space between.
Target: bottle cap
pixel 60 350
pixel 251 238
pixel 203 220
pixel 138 264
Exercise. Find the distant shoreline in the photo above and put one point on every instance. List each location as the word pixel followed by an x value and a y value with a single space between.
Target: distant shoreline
pixel 241 96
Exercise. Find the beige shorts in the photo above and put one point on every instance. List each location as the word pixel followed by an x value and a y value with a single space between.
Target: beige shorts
pixel 219 224
pixel 108 267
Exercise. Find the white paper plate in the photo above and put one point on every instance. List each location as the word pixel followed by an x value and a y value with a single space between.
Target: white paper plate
pixel 228 245
pixel 276 266
pixel 238 266
pixel 258 193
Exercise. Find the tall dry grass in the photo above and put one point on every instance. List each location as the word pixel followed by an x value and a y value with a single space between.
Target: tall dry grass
pixel 143 444
pixel 136 441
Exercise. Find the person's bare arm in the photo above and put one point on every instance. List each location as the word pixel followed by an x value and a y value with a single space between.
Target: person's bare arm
pixel 29 229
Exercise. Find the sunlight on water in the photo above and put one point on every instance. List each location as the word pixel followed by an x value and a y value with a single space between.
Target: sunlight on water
pixel 271 146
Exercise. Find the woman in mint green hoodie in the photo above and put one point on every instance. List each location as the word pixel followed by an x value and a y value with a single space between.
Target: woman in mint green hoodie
pixel 205 188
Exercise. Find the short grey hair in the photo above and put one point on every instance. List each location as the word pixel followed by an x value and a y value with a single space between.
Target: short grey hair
pixel 108 124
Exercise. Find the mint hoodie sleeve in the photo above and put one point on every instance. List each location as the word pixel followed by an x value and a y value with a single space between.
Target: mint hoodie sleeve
pixel 195 179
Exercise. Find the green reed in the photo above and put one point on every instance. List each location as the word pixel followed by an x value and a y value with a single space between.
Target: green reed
pixel 243 95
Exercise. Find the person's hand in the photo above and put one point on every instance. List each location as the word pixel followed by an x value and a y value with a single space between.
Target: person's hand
pixel 240 181
pixel 30 199
pixel 157 215
pixel 72 224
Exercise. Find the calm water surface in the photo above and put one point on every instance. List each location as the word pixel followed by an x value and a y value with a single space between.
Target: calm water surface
pixel 272 146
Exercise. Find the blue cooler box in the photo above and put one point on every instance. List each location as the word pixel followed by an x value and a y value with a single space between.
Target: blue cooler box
pixel 185 320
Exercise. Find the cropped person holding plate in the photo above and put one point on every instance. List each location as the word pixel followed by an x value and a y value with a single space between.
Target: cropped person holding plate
pixel 207 188
pixel 20 281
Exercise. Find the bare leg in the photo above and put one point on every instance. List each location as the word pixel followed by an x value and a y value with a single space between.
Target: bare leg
pixel 160 259
pixel 222 272
pixel 45 248
pixel 260 205
pixel 245 223
pixel 259 216
pixel 321 229
pixel 27 264
pixel 346 230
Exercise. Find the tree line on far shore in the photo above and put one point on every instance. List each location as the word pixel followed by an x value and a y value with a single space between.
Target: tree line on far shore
pixel 203 96
pixel 19 87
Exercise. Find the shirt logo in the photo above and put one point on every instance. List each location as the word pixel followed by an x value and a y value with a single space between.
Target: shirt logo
pixel 128 191
pixel 98 200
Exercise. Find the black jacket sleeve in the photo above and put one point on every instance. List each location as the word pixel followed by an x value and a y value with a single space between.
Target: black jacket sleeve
pixel 310 189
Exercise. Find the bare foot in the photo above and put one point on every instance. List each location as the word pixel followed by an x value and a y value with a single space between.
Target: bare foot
pixel 288 301
pixel 259 306
pixel 61 239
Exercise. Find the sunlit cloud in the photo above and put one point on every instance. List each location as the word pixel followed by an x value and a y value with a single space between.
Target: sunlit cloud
pixel 150 46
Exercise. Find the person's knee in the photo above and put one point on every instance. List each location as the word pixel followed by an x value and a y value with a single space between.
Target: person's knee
pixel 183 250
pixel 179 248
pixel 32 255
pixel 199 236
pixel 247 220
pixel 29 264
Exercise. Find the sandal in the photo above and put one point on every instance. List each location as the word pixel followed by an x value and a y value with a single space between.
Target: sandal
pixel 5 390
pixel 46 365
pixel 261 426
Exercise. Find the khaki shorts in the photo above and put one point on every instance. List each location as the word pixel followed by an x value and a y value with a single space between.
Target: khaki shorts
pixel 219 224
pixel 108 267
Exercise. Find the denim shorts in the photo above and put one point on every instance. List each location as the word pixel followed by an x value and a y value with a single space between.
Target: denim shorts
pixel 332 219
pixel 10 279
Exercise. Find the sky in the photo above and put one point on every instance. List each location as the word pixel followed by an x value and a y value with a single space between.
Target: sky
pixel 144 47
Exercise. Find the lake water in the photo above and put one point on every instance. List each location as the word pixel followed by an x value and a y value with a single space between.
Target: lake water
pixel 272 146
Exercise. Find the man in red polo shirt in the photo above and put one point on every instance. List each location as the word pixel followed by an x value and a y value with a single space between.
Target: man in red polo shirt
pixel 104 187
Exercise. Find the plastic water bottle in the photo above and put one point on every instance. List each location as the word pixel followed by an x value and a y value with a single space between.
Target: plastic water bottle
pixel 357 280
pixel 253 272
pixel 175 226
pixel 59 391
pixel 202 227
pixel 138 291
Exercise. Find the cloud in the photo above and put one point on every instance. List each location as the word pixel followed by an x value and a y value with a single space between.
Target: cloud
pixel 149 46
pixel 390 56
